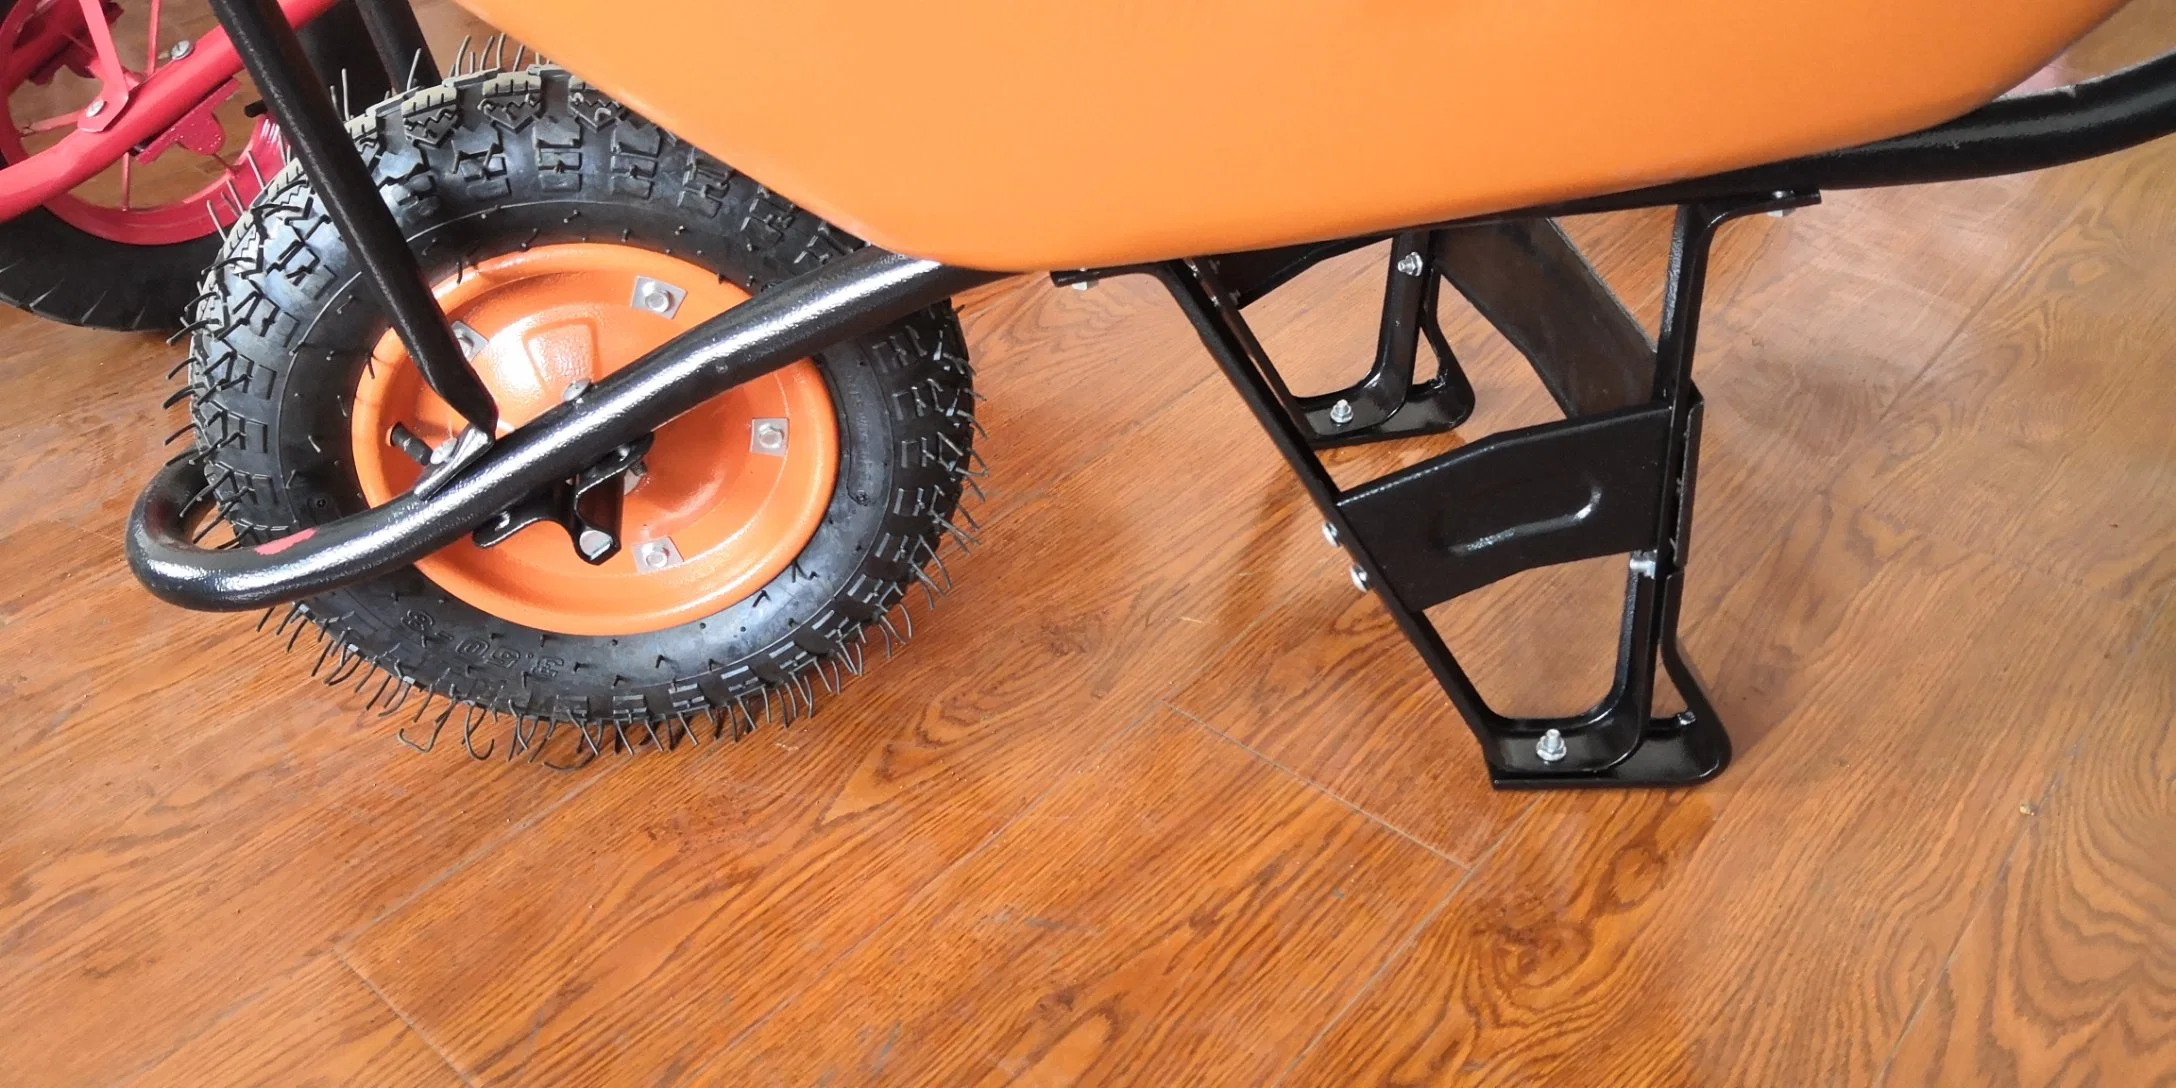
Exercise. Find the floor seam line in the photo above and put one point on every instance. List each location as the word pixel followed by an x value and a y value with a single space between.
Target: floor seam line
pixel 1919 374
pixel 406 1021
pixel 341 942
pixel 1317 787
pixel 1980 903
pixel 1397 954
pixel 1158 701
pixel 2152 619
pixel 936 878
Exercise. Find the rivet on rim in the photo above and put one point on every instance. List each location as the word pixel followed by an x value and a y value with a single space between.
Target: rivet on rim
pixel 657 296
pixel 659 554
pixel 767 436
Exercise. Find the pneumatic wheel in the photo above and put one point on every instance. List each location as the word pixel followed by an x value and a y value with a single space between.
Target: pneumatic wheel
pixel 762 533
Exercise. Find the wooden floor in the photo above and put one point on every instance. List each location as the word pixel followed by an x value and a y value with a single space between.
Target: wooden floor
pixel 1156 798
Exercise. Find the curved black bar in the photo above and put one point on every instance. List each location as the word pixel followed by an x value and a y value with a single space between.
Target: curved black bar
pixel 850 296
pixel 2006 136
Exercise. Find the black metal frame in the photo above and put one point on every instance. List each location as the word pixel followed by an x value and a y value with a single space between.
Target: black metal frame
pixel 1615 476
pixel 1387 403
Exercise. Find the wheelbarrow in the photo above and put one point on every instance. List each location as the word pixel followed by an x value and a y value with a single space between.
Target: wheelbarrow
pixel 620 397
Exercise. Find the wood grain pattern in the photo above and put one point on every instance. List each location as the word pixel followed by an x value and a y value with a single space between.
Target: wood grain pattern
pixel 319 1028
pixel 1155 798
pixel 2032 402
pixel 2068 975
pixel 1066 952
pixel 709 893
pixel 1783 918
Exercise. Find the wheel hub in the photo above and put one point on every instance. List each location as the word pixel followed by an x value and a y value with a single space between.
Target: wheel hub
pixel 720 503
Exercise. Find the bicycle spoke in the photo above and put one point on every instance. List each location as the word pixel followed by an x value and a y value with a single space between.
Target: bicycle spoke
pixel 151 42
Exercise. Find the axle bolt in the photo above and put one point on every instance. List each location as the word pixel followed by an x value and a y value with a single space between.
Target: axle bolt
pixel 1360 579
pixel 1341 412
pixel 1550 747
pixel 593 543
pixel 1329 533
pixel 95 108
pixel 1410 264
pixel 181 49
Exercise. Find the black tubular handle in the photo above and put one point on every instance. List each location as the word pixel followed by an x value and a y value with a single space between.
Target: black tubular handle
pixel 855 294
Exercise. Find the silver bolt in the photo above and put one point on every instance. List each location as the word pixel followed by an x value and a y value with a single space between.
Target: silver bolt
pixel 1329 533
pixel 1781 212
pixel 1410 264
pixel 1083 285
pixel 1341 412
pixel 95 108
pixel 574 389
pixel 1360 579
pixel 1643 564
pixel 595 541
pixel 658 554
pixel 471 342
pixel 1550 747
pixel 657 296
pixel 768 436
pixel 1686 717
pixel 181 49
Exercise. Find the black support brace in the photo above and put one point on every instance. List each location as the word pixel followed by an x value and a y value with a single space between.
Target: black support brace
pixel 1614 477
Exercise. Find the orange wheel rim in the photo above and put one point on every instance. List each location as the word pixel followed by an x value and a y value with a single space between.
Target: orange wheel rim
pixel 731 492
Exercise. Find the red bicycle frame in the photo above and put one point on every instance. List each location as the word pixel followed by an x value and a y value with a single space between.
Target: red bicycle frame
pixel 122 117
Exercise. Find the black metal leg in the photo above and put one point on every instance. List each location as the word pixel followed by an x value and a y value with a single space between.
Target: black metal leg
pixel 1615 478
pixel 1204 299
pixel 1388 403
pixel 313 129
pixel 398 38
